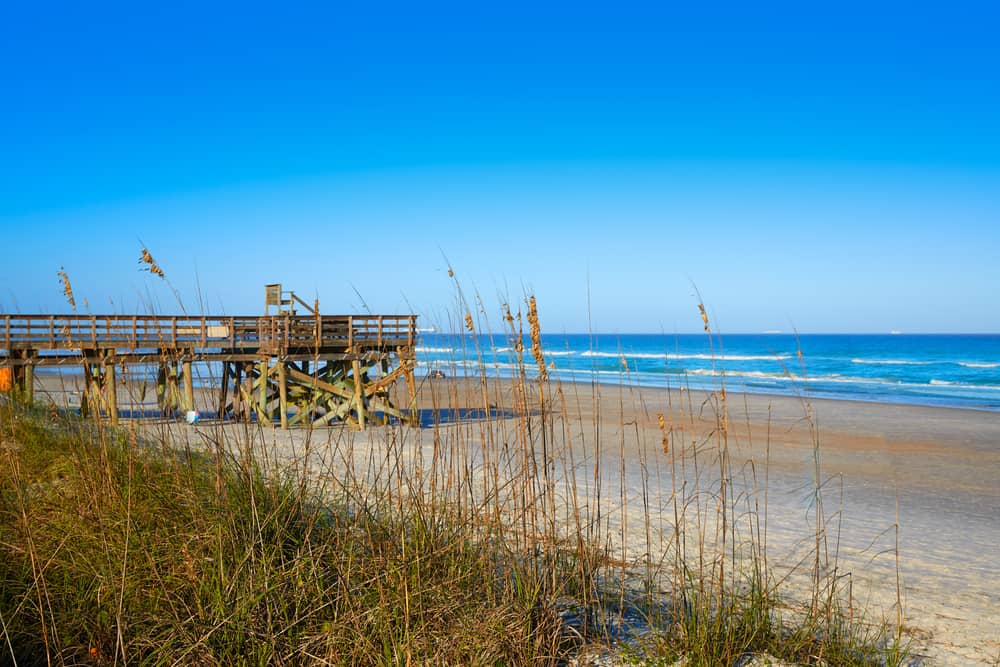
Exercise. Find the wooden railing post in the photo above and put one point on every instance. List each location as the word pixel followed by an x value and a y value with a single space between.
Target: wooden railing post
pixel 111 388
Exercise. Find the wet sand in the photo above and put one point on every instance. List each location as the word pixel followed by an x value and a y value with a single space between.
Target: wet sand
pixel 940 466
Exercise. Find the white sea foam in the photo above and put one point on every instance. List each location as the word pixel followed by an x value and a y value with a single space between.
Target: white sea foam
pixel 421 348
pixel 547 353
pixel 759 375
pixel 735 357
pixel 791 377
pixel 978 364
pixel 892 362
pixel 619 355
pixel 957 385
pixel 703 357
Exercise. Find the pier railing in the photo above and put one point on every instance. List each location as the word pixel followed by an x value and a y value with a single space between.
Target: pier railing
pixel 273 334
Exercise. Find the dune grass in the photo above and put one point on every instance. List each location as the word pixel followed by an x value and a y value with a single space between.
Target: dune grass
pixel 502 541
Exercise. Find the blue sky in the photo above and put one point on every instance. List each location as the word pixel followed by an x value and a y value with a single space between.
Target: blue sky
pixel 827 168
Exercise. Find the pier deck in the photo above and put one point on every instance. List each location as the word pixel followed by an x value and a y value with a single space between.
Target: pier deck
pixel 322 367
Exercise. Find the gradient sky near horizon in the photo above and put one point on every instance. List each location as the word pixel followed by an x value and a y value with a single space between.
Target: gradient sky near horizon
pixel 829 168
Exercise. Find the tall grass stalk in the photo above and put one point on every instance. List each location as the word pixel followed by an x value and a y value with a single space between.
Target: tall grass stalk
pixel 485 537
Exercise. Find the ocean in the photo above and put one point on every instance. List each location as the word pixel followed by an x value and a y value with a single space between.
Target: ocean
pixel 961 371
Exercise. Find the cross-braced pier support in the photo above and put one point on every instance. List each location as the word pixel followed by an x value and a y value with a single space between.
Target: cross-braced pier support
pixel 284 368
pixel 100 389
pixel 289 391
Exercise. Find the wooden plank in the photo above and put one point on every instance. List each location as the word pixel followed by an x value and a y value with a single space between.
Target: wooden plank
pixel 385 381
pixel 319 384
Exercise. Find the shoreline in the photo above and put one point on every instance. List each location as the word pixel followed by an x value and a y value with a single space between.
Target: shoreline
pixel 56 371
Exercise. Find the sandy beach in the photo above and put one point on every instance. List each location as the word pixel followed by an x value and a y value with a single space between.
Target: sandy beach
pixel 940 467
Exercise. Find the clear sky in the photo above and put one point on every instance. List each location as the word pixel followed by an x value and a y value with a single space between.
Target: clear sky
pixel 830 167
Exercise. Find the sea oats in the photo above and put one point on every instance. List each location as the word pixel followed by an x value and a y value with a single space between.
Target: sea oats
pixel 154 268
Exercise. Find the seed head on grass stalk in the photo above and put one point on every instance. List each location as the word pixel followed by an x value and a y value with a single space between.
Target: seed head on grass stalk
pixel 147 258
pixel 536 339
pixel 662 421
pixel 704 317
pixel 154 268
pixel 67 288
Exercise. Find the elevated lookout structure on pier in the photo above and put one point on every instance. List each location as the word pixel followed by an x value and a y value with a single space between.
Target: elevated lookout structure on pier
pixel 283 368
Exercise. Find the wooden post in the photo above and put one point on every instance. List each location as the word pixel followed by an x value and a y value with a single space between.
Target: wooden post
pixel 188 398
pixel 411 386
pixel 248 374
pixel 85 394
pixel 90 403
pixel 282 394
pixel 237 390
pixel 29 382
pixel 262 413
pixel 112 391
pixel 223 391
pixel 359 393
pixel 161 387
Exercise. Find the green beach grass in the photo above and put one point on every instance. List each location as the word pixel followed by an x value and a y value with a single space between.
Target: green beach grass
pixel 484 545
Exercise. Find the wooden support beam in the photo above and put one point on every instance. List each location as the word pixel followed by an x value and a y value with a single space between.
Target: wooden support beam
pixel 187 401
pixel 237 394
pixel 263 414
pixel 28 390
pixel 385 380
pixel 161 387
pixel 85 394
pixel 319 384
pixel 90 402
pixel 247 392
pixel 411 389
pixel 223 390
pixel 111 391
pixel 359 393
pixel 282 394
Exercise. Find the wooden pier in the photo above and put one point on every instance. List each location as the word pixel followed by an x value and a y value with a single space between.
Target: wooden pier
pixel 281 368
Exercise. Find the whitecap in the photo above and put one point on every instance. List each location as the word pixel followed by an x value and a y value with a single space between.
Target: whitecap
pixel 892 362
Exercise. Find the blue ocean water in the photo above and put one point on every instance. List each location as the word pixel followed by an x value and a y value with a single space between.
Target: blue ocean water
pixel 939 370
